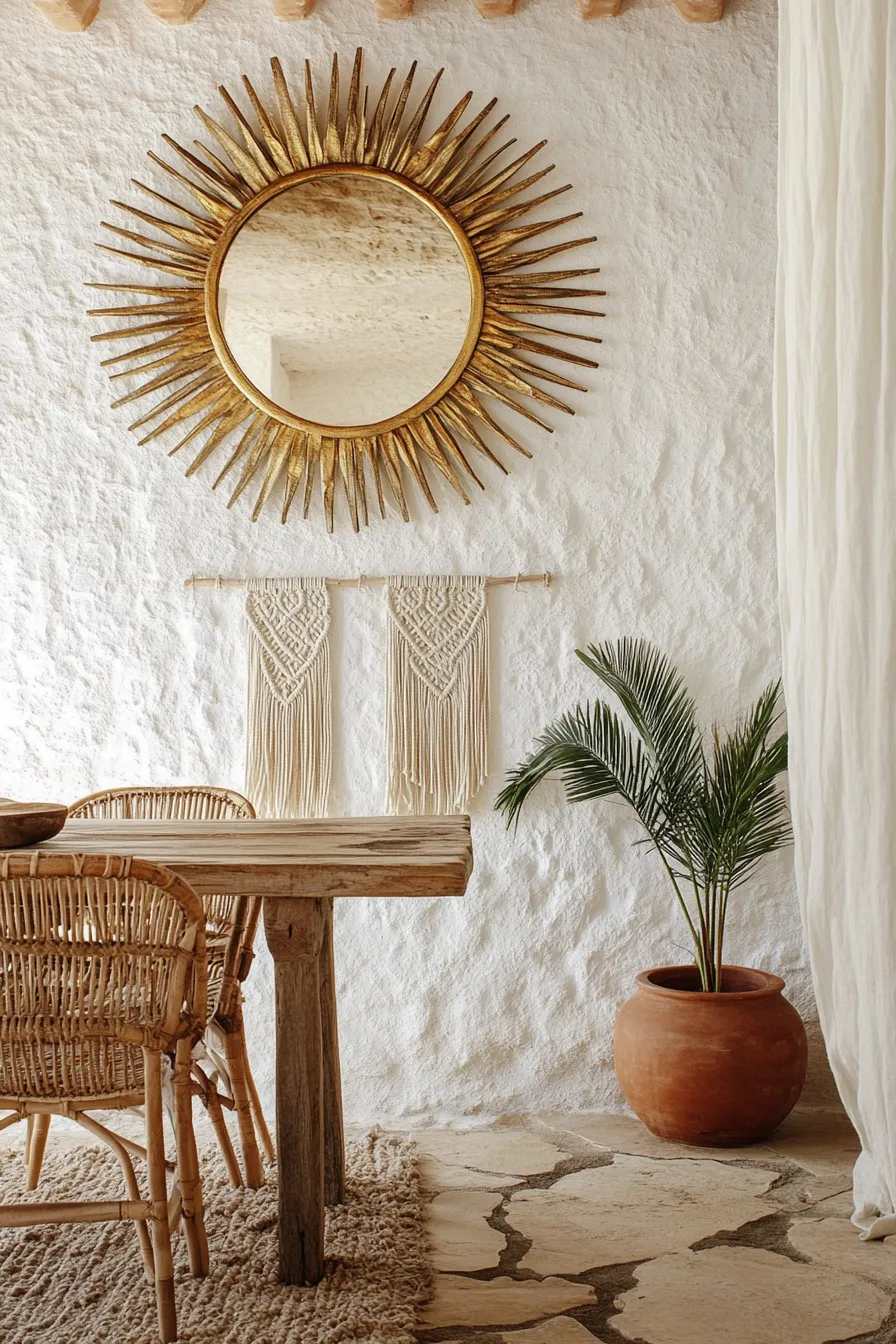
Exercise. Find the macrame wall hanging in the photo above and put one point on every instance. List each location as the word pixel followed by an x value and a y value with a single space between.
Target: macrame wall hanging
pixel 288 728
pixel 436 692
pixel 436 697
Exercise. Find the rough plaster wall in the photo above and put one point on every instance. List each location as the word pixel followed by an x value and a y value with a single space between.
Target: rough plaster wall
pixel 653 507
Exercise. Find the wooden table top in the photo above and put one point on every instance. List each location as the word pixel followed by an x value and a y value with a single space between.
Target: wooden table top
pixel 335 856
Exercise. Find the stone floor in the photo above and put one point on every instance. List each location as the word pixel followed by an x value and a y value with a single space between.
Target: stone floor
pixel 566 1229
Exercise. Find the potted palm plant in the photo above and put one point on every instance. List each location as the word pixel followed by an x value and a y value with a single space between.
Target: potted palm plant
pixel 707 1053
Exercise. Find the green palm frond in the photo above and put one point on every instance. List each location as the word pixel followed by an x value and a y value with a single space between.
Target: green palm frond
pixel 654 696
pixel 740 814
pixel 711 820
pixel 595 756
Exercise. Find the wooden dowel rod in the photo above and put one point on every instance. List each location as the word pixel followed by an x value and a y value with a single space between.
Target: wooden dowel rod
pixel 497 582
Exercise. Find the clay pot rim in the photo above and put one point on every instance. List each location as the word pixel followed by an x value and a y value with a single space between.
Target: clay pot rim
pixel 767 985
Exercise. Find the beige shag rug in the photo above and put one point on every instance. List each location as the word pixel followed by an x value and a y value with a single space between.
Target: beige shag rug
pixel 84 1282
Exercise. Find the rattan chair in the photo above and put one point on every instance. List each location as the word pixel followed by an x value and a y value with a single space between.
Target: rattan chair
pixel 102 980
pixel 231 925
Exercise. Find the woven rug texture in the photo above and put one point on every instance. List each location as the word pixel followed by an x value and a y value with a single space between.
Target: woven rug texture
pixel 84 1282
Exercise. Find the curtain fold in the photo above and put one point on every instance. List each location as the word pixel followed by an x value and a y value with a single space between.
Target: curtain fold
pixel 835 429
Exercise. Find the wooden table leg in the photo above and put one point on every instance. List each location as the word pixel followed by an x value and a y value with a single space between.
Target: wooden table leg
pixel 295 933
pixel 334 1134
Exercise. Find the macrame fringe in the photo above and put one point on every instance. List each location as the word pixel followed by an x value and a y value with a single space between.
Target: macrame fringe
pixel 437 686
pixel 288 722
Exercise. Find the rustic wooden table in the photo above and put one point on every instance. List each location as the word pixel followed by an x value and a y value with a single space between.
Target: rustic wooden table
pixel 298 867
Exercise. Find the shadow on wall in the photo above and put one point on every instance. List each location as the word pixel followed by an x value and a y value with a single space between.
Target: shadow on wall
pixel 820 1088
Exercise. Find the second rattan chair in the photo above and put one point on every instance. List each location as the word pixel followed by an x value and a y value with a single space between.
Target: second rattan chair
pixel 231 925
pixel 102 981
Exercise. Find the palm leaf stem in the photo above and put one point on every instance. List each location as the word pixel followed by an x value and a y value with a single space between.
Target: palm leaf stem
pixel 696 938
pixel 705 943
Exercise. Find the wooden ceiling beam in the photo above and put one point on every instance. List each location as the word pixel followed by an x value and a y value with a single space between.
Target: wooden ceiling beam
pixel 69 16
pixel 599 9
pixel 394 9
pixel 292 9
pixel 174 11
pixel 701 11
pixel 494 9
pixel 73 16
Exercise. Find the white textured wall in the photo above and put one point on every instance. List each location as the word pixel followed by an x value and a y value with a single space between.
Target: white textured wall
pixel 653 506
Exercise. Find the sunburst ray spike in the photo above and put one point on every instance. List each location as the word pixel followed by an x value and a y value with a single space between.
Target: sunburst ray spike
pixel 453 163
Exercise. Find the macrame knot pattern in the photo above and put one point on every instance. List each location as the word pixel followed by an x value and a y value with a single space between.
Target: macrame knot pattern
pixel 288 737
pixel 437 692
pixel 438 623
pixel 290 624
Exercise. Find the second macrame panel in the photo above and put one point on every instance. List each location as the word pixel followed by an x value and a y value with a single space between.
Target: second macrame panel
pixel 437 678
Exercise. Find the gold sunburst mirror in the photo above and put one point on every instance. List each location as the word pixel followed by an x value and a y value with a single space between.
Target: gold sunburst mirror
pixel 350 304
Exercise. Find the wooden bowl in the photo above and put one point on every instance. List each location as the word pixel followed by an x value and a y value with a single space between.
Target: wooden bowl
pixel 29 823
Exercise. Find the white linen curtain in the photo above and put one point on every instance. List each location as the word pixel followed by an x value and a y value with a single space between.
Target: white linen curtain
pixel 835 407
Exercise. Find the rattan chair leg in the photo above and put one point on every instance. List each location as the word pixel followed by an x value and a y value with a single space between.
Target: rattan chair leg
pixel 212 1104
pixel 120 1148
pixel 29 1130
pixel 188 1163
pixel 158 1194
pixel 235 1051
pixel 261 1125
pixel 37 1148
pixel 174 1207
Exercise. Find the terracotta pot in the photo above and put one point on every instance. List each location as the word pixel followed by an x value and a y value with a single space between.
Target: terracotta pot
pixel 712 1069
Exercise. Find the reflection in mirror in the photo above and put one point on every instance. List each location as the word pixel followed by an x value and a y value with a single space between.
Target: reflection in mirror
pixel 345 300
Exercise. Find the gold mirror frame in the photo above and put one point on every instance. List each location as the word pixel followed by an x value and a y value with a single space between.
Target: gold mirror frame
pixel 463 185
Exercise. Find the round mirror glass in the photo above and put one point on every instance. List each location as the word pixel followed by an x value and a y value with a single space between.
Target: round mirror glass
pixel 345 300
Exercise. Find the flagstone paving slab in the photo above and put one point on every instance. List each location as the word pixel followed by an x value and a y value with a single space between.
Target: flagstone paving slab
pixel 825 1143
pixel 508 1149
pixel 836 1206
pixel 438 1175
pixel 738 1295
pixel 835 1242
pixel 460 1237
pixel 814 1190
pixel 626 1134
pixel 558 1330
pixel 636 1208
pixel 502 1301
